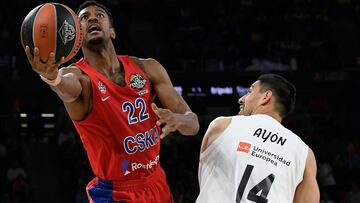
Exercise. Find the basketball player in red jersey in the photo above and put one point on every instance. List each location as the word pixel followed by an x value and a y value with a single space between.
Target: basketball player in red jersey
pixel 109 98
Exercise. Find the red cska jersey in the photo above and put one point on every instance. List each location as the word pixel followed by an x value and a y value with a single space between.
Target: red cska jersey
pixel 120 134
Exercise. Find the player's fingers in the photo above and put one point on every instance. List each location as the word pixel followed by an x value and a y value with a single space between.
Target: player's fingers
pixel 170 128
pixel 29 55
pixel 162 135
pixel 164 114
pixel 157 110
pixel 160 112
pixel 164 132
pixel 160 122
pixel 51 59
pixel 171 119
pixel 167 130
pixel 61 61
pixel 154 108
pixel 36 56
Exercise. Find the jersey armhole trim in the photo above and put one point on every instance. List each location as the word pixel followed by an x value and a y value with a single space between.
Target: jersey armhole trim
pixel 303 164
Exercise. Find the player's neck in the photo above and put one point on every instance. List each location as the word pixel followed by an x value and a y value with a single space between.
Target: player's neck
pixel 269 112
pixel 101 58
pixel 275 115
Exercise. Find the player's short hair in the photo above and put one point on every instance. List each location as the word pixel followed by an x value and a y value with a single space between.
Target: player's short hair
pixel 283 90
pixel 95 3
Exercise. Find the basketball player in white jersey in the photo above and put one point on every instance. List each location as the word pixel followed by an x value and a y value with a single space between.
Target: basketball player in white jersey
pixel 251 157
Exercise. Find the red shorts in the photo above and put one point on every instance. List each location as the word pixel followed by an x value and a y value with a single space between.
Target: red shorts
pixel 153 188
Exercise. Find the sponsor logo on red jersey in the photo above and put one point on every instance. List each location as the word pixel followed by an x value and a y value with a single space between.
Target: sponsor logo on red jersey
pixel 125 165
pixel 137 166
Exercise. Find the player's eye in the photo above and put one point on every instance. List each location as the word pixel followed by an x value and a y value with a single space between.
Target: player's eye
pixel 100 15
pixel 84 17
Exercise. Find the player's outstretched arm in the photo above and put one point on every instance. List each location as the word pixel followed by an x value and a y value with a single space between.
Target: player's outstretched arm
pixel 175 114
pixel 72 87
pixel 308 190
pixel 65 82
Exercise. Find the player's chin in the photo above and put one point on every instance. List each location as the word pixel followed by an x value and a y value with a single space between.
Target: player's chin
pixel 242 112
pixel 93 40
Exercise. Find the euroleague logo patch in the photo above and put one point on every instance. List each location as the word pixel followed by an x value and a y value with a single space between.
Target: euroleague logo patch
pixel 137 81
pixel 67 32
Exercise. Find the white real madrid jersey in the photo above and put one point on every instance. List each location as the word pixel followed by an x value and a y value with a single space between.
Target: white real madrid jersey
pixel 255 159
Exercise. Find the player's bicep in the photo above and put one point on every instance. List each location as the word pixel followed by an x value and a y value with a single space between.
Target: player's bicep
pixel 164 88
pixel 170 99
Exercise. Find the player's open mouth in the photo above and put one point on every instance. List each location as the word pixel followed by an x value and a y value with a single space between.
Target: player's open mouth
pixel 94 28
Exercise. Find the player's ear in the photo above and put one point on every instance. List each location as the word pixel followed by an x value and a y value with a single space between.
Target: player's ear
pixel 112 33
pixel 267 95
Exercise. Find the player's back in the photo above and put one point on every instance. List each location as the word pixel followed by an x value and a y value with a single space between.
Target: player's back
pixel 255 159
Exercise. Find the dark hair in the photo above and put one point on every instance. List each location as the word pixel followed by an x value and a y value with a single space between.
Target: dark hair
pixel 283 90
pixel 94 3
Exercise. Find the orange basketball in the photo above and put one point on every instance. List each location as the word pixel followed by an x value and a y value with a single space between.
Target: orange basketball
pixel 52 27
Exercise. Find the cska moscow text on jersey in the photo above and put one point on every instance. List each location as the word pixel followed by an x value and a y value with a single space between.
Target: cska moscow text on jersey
pixel 141 141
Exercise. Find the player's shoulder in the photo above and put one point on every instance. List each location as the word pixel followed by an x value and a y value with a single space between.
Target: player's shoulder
pixel 222 119
pixel 142 59
pixel 148 65
pixel 220 123
pixel 152 68
pixel 215 130
pixel 145 61
pixel 223 122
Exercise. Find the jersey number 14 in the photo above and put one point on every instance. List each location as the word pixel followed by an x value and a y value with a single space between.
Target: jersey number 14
pixel 263 186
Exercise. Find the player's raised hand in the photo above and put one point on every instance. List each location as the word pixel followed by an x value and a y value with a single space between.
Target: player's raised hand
pixel 167 120
pixel 48 69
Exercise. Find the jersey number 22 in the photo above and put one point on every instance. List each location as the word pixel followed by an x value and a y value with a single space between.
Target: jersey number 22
pixel 130 108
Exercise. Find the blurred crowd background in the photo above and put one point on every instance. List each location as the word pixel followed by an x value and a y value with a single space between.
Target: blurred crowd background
pixel 212 50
